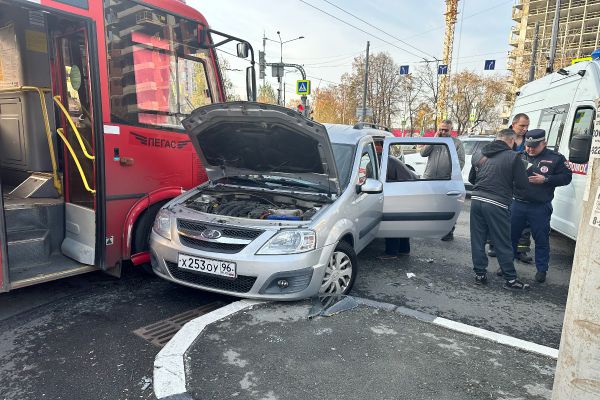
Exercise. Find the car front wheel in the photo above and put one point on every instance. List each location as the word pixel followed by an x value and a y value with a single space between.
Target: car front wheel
pixel 341 270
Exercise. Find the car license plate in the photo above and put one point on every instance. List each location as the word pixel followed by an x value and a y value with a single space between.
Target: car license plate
pixel 207 266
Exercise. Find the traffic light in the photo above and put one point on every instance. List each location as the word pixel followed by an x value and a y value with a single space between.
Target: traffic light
pixel 262 65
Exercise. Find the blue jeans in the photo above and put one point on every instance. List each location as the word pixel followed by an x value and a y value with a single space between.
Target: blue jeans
pixel 537 215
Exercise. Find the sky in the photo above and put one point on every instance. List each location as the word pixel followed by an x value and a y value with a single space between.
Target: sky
pixel 409 30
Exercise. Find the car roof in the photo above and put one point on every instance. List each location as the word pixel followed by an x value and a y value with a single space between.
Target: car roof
pixel 478 138
pixel 352 134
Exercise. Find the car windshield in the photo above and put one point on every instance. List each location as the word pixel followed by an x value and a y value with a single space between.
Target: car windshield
pixel 344 157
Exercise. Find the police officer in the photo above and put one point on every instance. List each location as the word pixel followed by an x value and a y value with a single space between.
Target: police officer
pixel 546 169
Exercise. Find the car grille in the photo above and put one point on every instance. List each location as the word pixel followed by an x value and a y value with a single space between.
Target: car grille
pixel 228 248
pixel 196 228
pixel 241 284
pixel 234 233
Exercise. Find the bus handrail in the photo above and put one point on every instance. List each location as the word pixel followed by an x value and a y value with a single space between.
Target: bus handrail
pixel 72 123
pixel 40 90
pixel 76 160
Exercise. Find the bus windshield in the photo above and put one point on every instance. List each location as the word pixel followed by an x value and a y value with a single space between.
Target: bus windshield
pixel 158 73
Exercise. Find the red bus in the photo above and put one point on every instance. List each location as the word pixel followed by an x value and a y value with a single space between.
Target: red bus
pixel 92 94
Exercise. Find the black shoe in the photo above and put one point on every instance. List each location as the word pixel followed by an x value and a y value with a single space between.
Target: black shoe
pixel 525 258
pixel 481 279
pixel 499 272
pixel 448 237
pixel 515 285
pixel 540 277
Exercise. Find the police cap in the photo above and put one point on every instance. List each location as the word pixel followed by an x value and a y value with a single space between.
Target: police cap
pixel 534 137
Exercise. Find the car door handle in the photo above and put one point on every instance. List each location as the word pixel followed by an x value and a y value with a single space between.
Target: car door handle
pixel 454 193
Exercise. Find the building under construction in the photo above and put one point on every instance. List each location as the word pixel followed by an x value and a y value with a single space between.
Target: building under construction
pixel 578 35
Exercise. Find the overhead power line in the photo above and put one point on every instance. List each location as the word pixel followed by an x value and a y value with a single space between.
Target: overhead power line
pixel 360 29
pixel 378 29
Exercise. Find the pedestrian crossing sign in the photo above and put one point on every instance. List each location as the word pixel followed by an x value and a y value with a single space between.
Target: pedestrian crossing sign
pixel 303 87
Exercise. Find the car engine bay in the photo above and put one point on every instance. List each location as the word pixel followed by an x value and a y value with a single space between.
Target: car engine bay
pixel 255 205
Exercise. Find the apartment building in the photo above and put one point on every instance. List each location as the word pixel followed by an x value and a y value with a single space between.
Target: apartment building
pixel 578 35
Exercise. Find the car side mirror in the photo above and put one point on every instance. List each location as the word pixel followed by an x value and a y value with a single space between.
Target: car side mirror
pixel 242 50
pixel 579 149
pixel 371 186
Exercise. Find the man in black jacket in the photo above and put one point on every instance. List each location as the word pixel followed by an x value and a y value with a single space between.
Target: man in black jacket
pixel 533 204
pixel 496 172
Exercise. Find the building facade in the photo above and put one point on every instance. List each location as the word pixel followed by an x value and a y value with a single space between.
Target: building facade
pixel 578 35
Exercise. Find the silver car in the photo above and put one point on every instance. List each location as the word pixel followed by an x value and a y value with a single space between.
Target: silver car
pixel 289 203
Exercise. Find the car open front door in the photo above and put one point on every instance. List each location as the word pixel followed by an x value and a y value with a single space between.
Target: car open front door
pixel 421 206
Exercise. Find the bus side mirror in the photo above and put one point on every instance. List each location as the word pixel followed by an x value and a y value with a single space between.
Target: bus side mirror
pixel 251 83
pixel 579 149
pixel 242 50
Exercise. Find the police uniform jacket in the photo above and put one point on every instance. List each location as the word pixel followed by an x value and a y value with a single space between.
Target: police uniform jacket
pixel 554 167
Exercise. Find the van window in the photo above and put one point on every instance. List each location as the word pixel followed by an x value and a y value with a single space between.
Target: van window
pixel 553 121
pixel 583 124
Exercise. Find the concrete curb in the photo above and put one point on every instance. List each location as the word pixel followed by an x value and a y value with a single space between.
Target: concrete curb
pixel 169 367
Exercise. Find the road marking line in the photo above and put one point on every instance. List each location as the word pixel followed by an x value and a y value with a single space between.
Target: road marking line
pixel 497 337
pixel 169 368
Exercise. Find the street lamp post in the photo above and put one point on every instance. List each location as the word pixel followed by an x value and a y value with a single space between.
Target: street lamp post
pixel 279 77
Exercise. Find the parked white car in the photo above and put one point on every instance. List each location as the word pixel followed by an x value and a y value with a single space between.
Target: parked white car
pixel 471 143
pixel 289 203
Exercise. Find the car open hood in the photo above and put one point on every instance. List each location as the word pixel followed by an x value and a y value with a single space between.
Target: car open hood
pixel 248 138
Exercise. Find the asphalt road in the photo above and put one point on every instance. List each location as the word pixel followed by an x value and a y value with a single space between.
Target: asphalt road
pixel 74 338
pixel 444 285
pixel 273 351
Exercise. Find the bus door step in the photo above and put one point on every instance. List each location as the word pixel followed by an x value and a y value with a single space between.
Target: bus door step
pixel 37 185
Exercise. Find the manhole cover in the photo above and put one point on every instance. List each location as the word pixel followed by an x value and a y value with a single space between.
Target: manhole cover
pixel 159 333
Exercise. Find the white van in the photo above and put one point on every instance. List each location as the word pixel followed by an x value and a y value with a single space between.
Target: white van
pixel 562 104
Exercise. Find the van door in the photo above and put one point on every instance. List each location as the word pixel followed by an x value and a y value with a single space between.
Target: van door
pixel 76 116
pixel 3 251
pixel 419 206
pixel 568 199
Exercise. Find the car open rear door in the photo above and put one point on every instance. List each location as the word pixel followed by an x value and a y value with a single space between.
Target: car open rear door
pixel 419 207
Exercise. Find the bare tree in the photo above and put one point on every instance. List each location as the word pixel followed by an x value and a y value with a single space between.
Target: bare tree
pixel 475 100
pixel 411 89
pixel 429 78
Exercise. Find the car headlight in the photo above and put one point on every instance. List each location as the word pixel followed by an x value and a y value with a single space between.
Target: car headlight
pixel 162 223
pixel 290 242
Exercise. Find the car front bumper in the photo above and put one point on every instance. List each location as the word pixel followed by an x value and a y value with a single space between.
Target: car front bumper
pixel 257 275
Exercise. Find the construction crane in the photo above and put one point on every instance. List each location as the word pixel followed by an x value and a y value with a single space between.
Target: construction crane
pixel 451 13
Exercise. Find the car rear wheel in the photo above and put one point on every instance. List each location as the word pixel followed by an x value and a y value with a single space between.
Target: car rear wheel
pixel 341 270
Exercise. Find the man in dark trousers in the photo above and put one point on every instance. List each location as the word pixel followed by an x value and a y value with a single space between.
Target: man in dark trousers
pixel 496 173
pixel 520 124
pixel 546 170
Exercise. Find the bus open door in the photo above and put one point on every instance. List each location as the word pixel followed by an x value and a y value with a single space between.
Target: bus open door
pixel 47 148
